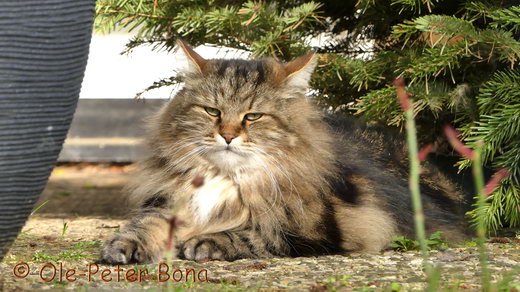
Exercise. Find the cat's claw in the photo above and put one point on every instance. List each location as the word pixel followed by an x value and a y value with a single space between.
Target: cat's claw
pixel 121 251
pixel 200 249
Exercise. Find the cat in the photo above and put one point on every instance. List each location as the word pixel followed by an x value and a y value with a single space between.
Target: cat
pixel 255 170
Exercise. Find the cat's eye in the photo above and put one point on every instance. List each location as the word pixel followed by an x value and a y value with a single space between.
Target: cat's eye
pixel 212 111
pixel 252 116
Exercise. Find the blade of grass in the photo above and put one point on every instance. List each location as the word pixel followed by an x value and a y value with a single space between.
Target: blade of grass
pixel 415 192
pixel 478 177
pixel 507 278
pixel 475 156
pixel 415 170
pixel 39 207
pixel 64 230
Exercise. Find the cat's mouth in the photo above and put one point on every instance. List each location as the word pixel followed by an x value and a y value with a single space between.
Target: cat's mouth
pixel 226 155
pixel 231 152
pixel 228 149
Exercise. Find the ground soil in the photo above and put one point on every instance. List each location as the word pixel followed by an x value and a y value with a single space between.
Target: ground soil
pixel 84 204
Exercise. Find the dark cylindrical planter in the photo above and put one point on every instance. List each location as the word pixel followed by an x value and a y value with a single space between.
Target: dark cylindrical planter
pixel 43 54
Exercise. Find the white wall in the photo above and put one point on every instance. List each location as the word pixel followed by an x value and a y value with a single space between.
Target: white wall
pixel 112 75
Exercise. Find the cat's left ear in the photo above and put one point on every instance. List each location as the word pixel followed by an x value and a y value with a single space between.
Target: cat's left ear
pixel 196 62
pixel 299 70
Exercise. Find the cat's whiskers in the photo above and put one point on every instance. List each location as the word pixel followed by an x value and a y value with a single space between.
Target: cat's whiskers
pixel 181 142
pixel 192 155
pixel 176 165
pixel 179 145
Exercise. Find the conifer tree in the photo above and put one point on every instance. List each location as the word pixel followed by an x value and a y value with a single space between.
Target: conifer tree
pixel 459 58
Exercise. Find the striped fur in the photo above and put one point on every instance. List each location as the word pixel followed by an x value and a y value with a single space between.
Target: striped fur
pixel 292 183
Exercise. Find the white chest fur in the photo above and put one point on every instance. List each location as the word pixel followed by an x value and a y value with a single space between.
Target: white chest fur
pixel 211 196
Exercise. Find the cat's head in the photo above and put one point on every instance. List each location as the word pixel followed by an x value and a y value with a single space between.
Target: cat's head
pixel 240 113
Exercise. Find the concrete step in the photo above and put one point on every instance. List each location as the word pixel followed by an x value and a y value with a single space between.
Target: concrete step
pixel 109 130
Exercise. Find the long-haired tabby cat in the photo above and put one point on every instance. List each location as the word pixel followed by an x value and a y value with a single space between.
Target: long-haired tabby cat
pixel 256 171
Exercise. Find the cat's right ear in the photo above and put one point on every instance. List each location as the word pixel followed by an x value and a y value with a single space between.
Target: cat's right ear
pixel 196 62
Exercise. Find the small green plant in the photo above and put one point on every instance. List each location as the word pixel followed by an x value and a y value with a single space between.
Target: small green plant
pixel 395 287
pixel 364 289
pixel 335 281
pixel 40 256
pixel 76 252
pixel 64 230
pixel 63 194
pixel 89 186
pixel 471 243
pixel 401 243
pixel 435 241
pixel 71 255
pixel 86 245
pixel 59 285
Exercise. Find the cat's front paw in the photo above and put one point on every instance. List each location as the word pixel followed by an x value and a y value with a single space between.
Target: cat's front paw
pixel 125 249
pixel 202 248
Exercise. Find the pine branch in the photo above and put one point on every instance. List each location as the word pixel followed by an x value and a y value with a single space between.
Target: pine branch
pixel 507 18
pixel 170 81
pixel 416 6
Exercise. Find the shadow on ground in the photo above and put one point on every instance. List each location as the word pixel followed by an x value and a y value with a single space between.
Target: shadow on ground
pixel 86 190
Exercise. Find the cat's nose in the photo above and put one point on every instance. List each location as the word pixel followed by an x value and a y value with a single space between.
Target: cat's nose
pixel 228 137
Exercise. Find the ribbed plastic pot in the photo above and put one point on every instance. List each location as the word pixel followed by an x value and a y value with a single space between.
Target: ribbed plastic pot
pixel 43 53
